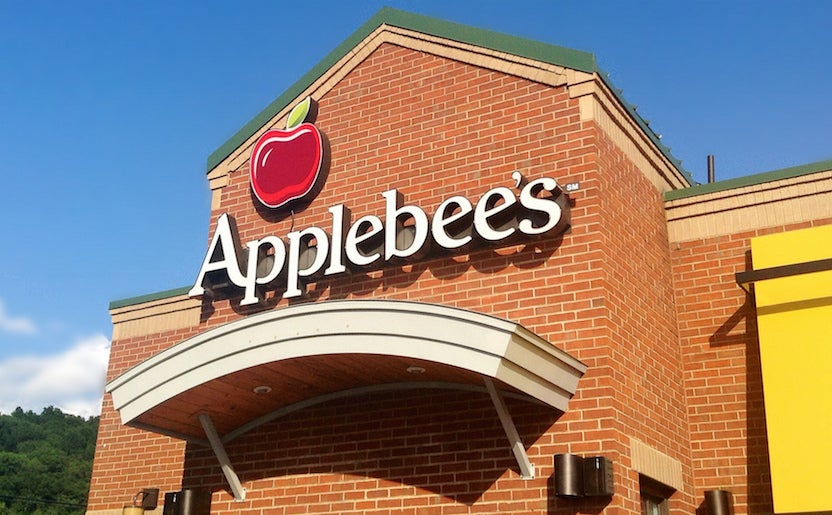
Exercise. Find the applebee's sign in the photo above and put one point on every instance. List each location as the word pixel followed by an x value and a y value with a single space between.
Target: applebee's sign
pixel 285 166
pixel 405 232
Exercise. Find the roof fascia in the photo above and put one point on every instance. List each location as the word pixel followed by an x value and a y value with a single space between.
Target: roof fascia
pixel 750 180
pixel 150 297
pixel 644 125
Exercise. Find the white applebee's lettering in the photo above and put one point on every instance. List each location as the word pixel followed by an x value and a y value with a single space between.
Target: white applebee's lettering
pixel 299 241
pixel 363 230
pixel 487 208
pixel 448 212
pixel 340 225
pixel 393 213
pixel 227 238
pixel 256 248
pixel 529 200
pixel 406 232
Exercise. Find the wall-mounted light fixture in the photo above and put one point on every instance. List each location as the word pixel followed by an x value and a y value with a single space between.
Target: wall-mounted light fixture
pixel 576 476
pixel 145 499
pixel 569 475
pixel 190 501
pixel 598 477
pixel 718 502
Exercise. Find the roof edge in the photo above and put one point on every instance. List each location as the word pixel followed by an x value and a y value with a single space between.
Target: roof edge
pixel 644 124
pixel 536 50
pixel 518 46
pixel 150 297
pixel 750 180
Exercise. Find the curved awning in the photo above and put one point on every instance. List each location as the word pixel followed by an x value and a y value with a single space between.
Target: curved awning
pixel 319 350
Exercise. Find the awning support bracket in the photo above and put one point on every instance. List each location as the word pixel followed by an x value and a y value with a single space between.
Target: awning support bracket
pixel 517 447
pixel 219 451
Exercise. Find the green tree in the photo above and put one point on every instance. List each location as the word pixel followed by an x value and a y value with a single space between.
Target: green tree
pixel 45 462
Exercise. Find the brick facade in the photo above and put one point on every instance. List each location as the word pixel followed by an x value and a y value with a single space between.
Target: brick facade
pixel 721 357
pixel 667 336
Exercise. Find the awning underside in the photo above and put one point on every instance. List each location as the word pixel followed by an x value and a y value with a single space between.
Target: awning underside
pixel 234 405
pixel 233 378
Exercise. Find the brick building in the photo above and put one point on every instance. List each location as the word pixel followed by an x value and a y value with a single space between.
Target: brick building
pixel 400 364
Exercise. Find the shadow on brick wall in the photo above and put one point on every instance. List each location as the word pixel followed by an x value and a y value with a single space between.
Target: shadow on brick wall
pixel 371 452
pixel 566 506
pixel 733 332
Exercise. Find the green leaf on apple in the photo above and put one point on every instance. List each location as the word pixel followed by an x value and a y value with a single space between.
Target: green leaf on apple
pixel 299 113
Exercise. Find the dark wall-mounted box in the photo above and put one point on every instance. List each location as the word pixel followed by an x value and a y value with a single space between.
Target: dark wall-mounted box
pixel 188 502
pixel 598 477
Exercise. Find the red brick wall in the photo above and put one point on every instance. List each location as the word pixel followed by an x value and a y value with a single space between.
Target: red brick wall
pixel 128 459
pixel 723 380
pixel 416 452
pixel 433 128
pixel 644 377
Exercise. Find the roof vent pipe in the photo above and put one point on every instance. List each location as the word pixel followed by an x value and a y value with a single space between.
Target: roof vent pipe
pixel 711 176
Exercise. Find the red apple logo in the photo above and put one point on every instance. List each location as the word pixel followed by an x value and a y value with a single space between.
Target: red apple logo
pixel 285 164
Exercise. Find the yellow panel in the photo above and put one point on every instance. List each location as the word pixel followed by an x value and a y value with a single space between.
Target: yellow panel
pixel 794 317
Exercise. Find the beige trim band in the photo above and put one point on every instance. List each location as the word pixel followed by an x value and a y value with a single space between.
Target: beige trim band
pixel 155 317
pixel 655 464
pixel 771 204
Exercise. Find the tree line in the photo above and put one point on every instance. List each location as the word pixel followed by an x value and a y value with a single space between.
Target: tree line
pixel 45 461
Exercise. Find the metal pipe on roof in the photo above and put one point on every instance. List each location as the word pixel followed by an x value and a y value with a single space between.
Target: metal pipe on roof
pixel 711 173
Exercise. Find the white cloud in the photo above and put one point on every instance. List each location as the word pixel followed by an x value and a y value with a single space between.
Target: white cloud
pixel 72 380
pixel 10 324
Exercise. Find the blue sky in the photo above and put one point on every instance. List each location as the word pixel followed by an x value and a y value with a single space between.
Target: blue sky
pixel 109 110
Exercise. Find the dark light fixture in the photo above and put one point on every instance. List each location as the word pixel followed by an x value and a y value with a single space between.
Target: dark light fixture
pixel 576 476
pixel 598 477
pixel 145 499
pixel 190 501
pixel 718 502
pixel 569 475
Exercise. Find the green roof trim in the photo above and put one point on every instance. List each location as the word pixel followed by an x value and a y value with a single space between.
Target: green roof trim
pixel 522 47
pixel 645 126
pixel 150 297
pixel 750 180
pixel 551 54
